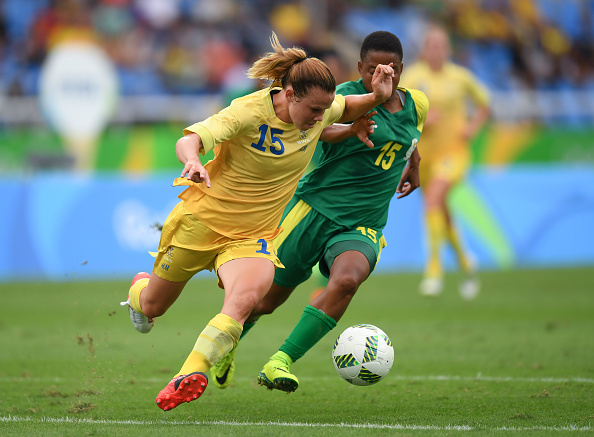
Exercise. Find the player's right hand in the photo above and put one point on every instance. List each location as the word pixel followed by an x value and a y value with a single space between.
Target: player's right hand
pixel 195 171
pixel 381 82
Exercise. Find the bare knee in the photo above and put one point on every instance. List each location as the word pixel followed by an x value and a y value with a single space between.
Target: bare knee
pixel 338 294
pixel 346 285
pixel 250 299
pixel 240 303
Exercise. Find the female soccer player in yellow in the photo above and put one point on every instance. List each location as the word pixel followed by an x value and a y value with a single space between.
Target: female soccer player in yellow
pixel 230 212
pixel 445 148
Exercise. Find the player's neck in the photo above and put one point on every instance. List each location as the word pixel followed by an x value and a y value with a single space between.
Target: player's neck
pixel 394 103
pixel 281 108
pixel 436 66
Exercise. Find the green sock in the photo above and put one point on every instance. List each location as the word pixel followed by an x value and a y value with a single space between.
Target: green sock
pixel 280 355
pixel 246 327
pixel 310 329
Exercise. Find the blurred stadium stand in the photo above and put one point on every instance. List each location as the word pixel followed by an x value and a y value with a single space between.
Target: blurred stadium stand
pixel 535 55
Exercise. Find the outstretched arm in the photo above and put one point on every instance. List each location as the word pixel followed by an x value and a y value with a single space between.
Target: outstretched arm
pixel 187 149
pixel 361 127
pixel 360 104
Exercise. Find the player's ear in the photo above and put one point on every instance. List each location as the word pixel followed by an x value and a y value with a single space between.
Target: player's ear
pixel 290 94
pixel 360 66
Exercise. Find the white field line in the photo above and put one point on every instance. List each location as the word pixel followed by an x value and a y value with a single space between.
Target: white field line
pixel 477 378
pixel 481 377
pixel 291 424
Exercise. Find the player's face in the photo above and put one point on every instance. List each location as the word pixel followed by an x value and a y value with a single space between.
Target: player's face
pixel 373 58
pixel 306 111
pixel 437 47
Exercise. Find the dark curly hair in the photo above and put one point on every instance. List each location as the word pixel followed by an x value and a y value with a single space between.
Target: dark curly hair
pixel 381 41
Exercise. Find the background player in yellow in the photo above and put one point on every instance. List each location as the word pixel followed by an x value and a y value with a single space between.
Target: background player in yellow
pixel 445 148
pixel 232 207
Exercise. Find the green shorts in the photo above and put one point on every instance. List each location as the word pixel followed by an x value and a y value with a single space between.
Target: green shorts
pixel 309 237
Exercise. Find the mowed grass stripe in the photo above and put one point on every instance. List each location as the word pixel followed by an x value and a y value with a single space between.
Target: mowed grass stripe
pixel 445 378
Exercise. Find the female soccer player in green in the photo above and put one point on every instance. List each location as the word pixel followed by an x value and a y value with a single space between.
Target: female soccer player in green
pixel 339 210
pixel 229 215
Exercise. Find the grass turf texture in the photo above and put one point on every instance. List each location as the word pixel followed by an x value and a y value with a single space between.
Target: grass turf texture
pixel 518 359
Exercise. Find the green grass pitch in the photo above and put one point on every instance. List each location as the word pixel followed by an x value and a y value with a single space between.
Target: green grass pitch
pixel 518 360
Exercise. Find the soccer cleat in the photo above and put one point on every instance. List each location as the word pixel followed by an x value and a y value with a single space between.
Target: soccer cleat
pixel 431 286
pixel 183 388
pixel 141 322
pixel 276 375
pixel 224 370
pixel 469 288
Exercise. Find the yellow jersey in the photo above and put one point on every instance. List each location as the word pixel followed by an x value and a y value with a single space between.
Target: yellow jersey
pixel 258 162
pixel 449 92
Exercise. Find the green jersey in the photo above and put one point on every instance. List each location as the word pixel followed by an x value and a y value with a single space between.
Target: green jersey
pixel 352 183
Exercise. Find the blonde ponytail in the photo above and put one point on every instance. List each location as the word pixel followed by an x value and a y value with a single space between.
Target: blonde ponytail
pixel 293 67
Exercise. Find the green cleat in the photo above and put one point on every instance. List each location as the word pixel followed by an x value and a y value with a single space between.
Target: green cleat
pixel 223 371
pixel 276 375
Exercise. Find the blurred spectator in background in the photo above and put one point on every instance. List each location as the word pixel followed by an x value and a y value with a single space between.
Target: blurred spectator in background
pixel 529 39
pixel 445 147
pixel 174 47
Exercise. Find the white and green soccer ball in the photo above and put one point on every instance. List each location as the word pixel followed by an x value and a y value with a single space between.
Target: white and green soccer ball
pixel 363 354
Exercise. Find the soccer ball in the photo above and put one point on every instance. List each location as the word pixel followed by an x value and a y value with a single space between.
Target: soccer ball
pixel 363 354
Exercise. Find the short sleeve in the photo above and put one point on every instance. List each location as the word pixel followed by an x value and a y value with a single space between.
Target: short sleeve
pixel 220 127
pixel 335 112
pixel 476 90
pixel 422 107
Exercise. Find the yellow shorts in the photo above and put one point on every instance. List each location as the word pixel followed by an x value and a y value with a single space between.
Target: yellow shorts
pixel 449 166
pixel 187 247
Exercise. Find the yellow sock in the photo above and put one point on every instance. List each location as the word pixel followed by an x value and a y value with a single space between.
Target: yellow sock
pixel 134 294
pixel 436 232
pixel 215 341
pixel 454 240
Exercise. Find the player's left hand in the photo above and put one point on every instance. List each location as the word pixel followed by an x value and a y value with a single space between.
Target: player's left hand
pixel 363 127
pixel 409 181
pixel 381 82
